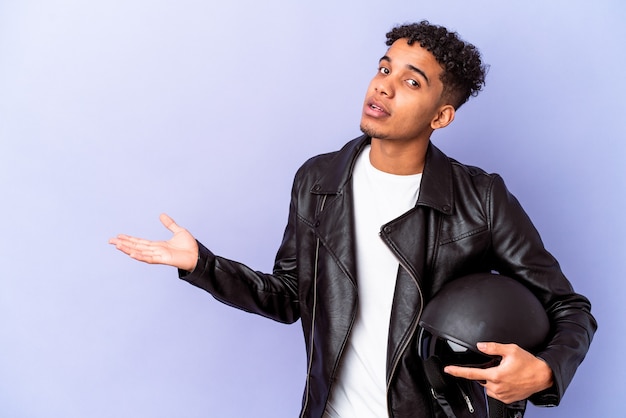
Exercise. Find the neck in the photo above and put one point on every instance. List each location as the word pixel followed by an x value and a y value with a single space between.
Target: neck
pixel 398 158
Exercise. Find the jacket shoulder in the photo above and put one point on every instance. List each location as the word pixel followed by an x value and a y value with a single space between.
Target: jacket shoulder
pixel 447 183
pixel 470 171
pixel 330 170
pixel 317 163
pixel 477 177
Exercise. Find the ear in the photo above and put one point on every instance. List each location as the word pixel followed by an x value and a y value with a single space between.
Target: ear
pixel 444 117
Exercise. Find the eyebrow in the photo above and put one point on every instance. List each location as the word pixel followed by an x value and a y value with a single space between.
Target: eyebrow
pixel 410 67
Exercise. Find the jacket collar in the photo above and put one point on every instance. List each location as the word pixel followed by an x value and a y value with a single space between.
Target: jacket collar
pixel 436 188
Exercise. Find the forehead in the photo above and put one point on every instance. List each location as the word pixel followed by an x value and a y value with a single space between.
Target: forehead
pixel 400 53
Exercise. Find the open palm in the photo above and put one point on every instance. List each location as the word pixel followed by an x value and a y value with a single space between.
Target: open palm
pixel 180 251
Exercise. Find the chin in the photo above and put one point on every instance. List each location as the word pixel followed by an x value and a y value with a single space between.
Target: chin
pixel 371 132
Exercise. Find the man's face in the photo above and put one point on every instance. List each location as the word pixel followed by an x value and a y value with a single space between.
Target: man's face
pixel 404 97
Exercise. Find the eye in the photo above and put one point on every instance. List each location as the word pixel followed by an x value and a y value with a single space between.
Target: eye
pixel 384 70
pixel 413 83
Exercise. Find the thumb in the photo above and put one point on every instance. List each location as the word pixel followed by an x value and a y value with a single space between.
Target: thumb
pixel 169 223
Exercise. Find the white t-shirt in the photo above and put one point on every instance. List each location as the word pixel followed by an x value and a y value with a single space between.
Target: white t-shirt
pixel 360 388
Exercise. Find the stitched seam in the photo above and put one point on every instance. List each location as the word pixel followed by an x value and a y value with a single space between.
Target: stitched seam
pixel 464 235
pixel 308 372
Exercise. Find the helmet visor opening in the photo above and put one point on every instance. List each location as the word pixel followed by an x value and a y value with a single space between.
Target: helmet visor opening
pixel 452 353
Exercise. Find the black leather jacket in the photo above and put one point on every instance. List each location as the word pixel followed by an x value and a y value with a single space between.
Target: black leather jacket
pixel 465 221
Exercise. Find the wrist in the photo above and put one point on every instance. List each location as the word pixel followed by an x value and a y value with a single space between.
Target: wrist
pixel 544 374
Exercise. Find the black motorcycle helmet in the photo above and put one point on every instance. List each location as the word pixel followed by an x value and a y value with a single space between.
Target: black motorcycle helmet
pixel 482 307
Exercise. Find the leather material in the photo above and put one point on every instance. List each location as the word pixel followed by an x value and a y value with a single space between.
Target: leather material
pixel 465 221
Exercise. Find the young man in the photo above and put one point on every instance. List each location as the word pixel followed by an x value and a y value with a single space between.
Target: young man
pixel 375 230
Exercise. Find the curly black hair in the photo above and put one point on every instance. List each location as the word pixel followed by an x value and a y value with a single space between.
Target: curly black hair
pixel 463 71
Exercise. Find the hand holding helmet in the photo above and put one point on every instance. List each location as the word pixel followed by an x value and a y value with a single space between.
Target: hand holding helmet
pixel 484 327
pixel 519 374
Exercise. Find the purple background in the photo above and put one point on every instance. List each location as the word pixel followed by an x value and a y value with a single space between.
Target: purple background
pixel 114 111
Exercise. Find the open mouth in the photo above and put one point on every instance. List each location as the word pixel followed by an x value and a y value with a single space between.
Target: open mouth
pixel 376 109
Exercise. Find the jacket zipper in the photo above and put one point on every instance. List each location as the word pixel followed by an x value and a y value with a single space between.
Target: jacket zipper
pixel 467 399
pixel 308 371
pixel 413 328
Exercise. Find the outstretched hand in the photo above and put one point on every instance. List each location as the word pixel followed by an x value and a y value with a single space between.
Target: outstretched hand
pixel 180 251
pixel 518 376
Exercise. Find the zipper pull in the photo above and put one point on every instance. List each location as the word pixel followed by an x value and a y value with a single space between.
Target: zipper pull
pixel 468 401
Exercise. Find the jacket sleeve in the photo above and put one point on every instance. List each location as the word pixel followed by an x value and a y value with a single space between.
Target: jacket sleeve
pixel 520 253
pixel 274 296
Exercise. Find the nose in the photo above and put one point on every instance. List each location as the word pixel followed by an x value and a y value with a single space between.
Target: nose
pixel 383 87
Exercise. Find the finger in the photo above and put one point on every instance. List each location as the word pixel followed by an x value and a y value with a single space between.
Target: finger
pixel 123 248
pixel 119 238
pixel 169 223
pixel 153 254
pixel 126 249
pixel 146 258
pixel 133 246
pixel 470 373
pixel 136 243
pixel 493 348
pixel 125 239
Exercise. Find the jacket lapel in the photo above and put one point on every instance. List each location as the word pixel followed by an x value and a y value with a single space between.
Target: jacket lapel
pixel 412 238
pixel 335 220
